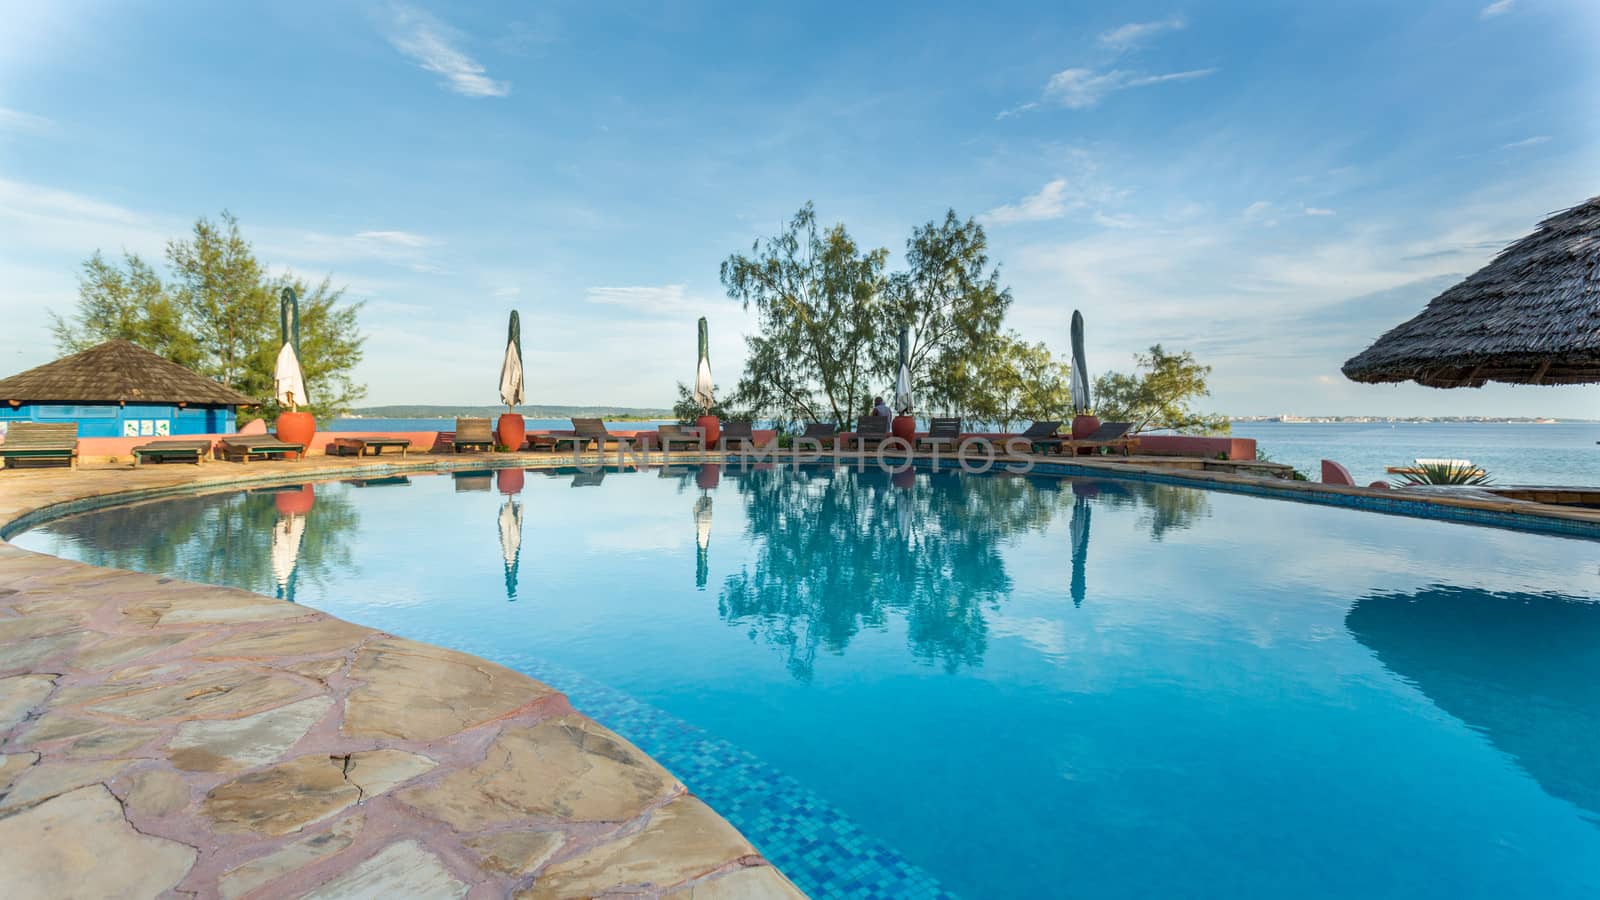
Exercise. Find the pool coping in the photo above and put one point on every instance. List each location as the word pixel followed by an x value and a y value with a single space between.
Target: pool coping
pixel 210 741
pixel 65 633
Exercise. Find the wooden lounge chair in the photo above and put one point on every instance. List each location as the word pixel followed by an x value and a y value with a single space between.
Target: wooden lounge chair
pixel 736 435
pixel 589 431
pixel 941 432
pixel 1043 435
pixel 243 448
pixel 171 451
pixel 361 446
pixel 41 442
pixel 873 429
pixel 667 435
pixel 824 433
pixel 1113 435
pixel 473 432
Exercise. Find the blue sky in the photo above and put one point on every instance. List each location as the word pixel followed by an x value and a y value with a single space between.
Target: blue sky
pixel 1270 185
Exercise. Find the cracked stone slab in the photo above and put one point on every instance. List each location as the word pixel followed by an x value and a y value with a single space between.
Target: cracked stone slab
pixel 12 765
pixel 683 841
pixel 585 774
pixel 154 792
pixel 281 799
pixel 754 883
pixel 79 845
pixel 47 779
pixel 19 694
pixel 291 857
pixel 376 771
pixel 412 691
pixel 232 744
pixel 404 869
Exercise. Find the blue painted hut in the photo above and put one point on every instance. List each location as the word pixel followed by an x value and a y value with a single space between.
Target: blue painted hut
pixel 119 389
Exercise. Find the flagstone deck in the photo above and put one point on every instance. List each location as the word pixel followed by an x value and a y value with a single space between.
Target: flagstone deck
pixel 162 738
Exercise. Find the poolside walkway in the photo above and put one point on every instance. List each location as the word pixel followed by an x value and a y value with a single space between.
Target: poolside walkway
pixel 164 738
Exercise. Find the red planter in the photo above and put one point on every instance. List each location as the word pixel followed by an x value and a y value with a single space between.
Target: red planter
pixel 511 431
pixel 1083 426
pixel 510 481
pixel 711 428
pixel 295 503
pixel 296 428
pixel 904 428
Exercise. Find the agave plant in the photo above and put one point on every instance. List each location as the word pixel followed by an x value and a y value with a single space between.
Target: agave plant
pixel 1442 473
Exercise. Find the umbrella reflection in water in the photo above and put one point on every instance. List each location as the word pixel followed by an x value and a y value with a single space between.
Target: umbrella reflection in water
pixel 706 479
pixel 288 534
pixel 510 483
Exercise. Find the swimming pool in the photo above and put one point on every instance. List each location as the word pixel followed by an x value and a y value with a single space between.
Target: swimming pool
pixel 993 686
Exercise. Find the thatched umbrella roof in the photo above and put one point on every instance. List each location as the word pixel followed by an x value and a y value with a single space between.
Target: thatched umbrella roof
pixel 1532 316
pixel 117 372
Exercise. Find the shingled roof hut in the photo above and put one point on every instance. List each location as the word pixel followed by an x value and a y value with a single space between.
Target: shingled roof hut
pixel 119 389
pixel 1532 316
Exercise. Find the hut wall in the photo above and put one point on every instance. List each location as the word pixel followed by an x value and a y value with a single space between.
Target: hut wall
pixel 109 420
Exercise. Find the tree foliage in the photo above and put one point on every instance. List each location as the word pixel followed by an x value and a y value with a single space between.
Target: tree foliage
pixel 953 303
pixel 217 313
pixel 1011 381
pixel 1159 394
pixel 815 293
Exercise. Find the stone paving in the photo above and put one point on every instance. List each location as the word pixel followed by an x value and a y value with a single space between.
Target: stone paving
pixel 162 738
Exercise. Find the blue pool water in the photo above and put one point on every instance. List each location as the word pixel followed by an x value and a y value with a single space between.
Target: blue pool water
pixel 997 686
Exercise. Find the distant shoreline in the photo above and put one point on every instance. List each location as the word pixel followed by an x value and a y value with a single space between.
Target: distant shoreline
pixel 1414 420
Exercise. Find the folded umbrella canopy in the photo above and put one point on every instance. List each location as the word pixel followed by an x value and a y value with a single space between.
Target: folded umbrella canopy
pixel 702 374
pixel 1080 370
pixel 511 387
pixel 289 383
pixel 902 382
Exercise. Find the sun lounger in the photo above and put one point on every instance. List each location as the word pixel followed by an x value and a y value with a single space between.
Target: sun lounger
pixel 1043 435
pixel 824 433
pixel 941 432
pixel 243 448
pixel 589 431
pixel 473 433
pixel 667 435
pixel 172 451
pixel 361 446
pixel 1113 435
pixel 41 442
pixel 736 435
pixel 871 429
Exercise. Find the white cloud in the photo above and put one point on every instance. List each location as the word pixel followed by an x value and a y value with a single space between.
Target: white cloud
pixel 667 300
pixel 1260 212
pixel 1497 8
pixel 1534 141
pixel 1319 211
pixel 17 121
pixel 1051 202
pixel 1134 33
pixel 1081 88
pixel 394 238
pixel 431 44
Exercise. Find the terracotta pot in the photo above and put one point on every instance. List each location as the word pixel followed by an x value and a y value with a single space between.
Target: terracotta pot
pixel 296 428
pixel 295 503
pixel 904 428
pixel 709 476
pixel 711 427
pixel 1083 426
pixel 510 481
pixel 511 431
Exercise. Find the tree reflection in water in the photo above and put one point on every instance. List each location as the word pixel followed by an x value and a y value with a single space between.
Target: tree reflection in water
pixel 215 538
pixel 840 550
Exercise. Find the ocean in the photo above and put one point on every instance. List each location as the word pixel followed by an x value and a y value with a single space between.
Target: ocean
pixel 1562 453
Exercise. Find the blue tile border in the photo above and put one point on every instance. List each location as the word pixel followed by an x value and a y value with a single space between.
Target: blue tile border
pixel 817 846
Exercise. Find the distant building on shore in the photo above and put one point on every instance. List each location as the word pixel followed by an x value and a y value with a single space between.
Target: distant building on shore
pixel 119 389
